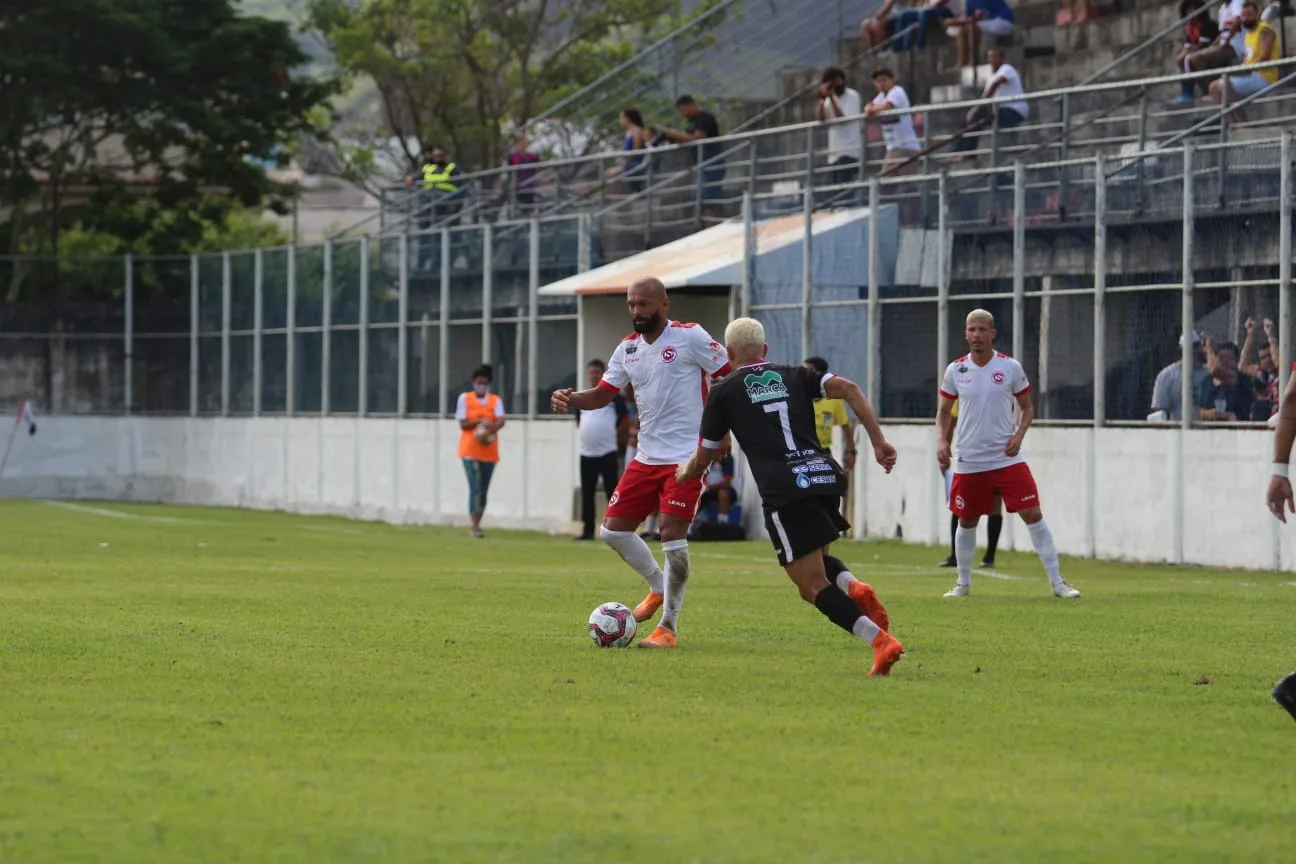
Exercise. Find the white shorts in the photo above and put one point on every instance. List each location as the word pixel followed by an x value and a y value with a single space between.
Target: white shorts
pixel 1247 85
pixel 996 26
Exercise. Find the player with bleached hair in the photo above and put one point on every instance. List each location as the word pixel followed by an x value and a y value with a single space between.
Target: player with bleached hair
pixel 770 410
pixel 987 385
pixel 1281 503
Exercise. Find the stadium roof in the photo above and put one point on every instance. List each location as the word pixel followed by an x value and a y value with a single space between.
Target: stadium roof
pixel 711 258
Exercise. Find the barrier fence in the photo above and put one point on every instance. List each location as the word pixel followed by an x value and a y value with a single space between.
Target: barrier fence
pixel 1091 276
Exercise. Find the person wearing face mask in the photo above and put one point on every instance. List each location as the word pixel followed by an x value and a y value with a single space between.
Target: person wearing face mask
pixel 836 100
pixel 1261 47
pixel 481 415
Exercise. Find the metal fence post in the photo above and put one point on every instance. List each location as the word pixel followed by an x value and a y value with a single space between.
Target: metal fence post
pixel 943 274
pixel 1285 260
pixel 402 334
pixel 749 255
pixel 225 335
pixel 193 335
pixel 584 250
pixel 1178 486
pixel 1019 261
pixel 362 361
pixel 874 293
pixel 807 267
pixel 443 346
pixel 326 325
pixel 533 350
pixel 258 324
pixel 128 335
pixel 1100 292
pixel 488 285
pixel 290 335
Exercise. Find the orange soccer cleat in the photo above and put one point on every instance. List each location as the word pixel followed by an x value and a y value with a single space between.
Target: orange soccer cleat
pixel 869 604
pixel 648 607
pixel 663 638
pixel 887 651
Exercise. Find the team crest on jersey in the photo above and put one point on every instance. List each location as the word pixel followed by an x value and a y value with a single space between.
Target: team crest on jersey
pixel 765 386
pixel 803 481
pixel 998 377
pixel 962 368
pixel 668 354
pixel 630 349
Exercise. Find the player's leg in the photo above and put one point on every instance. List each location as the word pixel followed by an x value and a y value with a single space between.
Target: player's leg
pixel 994 526
pixel 724 503
pixel 634 497
pixel 677 506
pixel 861 593
pixel 487 471
pixel 588 481
pixel 1017 487
pixel 948 477
pixel 970 499
pixel 1284 693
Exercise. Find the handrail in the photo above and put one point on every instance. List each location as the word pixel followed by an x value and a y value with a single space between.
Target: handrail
pixel 1149 42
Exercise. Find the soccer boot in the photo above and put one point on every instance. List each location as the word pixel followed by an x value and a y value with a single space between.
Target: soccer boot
pixel 869 604
pixel 887 651
pixel 648 607
pixel 987 563
pixel 660 638
pixel 1284 693
pixel 1062 589
pixel 959 590
pixel 949 562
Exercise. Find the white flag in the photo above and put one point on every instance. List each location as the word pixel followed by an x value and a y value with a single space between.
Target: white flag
pixel 27 416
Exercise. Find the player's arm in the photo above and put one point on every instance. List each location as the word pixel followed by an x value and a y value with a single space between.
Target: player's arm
pixel 1280 489
pixel 944 429
pixel 594 398
pixel 836 387
pixel 1027 406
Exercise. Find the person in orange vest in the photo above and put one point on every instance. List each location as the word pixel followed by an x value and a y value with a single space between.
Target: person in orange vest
pixel 481 415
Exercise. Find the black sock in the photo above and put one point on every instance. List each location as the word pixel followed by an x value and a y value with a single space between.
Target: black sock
pixel 833 566
pixel 838 608
pixel 996 525
pixel 953 531
pixel 1189 89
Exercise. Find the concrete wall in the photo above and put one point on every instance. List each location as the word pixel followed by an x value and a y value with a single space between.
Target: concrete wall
pixel 1133 494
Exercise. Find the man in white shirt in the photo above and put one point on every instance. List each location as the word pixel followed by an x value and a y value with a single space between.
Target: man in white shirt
pixel 836 100
pixel 1003 81
pixel 1231 45
pixel 602 433
pixel 988 385
pixel 902 143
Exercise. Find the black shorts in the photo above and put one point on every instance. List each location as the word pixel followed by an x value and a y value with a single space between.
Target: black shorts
pixel 798 529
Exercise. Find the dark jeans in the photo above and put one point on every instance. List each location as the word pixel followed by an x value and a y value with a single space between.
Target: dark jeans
pixel 479 477
pixel 592 468
pixel 1008 118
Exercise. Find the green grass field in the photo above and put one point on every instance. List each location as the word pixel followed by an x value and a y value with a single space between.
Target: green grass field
pixel 214 685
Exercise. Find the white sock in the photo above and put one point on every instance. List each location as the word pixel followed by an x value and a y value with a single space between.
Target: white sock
pixel 844 580
pixel 677 573
pixel 1042 539
pixel 866 629
pixel 964 549
pixel 636 553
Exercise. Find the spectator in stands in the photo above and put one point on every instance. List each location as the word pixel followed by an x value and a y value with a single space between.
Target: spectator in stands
pixel 1260 45
pixel 1259 361
pixel 836 100
pixel 1231 44
pixel 1273 15
pixel 907 29
pixel 701 125
pixel 524 176
pixel 1226 395
pixel 720 488
pixel 439 197
pixel 980 17
pixel 902 143
pixel 633 170
pixel 1200 33
pixel 830 414
pixel 1003 81
pixel 1167 390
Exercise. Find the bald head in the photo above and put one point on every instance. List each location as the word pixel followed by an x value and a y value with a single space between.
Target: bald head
pixel 648 304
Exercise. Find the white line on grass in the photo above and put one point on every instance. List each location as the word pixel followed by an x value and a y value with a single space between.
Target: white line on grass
pixel 117 514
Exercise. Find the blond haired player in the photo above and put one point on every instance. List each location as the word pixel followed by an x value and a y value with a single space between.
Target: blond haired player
pixel 987 384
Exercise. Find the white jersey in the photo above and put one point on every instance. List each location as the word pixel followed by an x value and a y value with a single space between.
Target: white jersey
pixel 670 379
pixel 987 398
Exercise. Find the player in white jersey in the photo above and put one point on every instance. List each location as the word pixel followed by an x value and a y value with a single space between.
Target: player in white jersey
pixel 1281 502
pixel 987 384
pixel 670 365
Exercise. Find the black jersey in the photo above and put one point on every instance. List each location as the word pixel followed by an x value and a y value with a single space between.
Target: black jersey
pixel 770 410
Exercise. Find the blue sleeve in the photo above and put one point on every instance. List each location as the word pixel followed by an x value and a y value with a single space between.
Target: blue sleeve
pixel 621 409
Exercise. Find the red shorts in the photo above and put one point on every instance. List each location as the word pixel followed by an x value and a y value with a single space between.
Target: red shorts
pixel 972 495
pixel 647 489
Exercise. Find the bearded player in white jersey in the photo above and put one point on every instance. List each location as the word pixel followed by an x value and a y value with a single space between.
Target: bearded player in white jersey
pixel 670 366
pixel 987 385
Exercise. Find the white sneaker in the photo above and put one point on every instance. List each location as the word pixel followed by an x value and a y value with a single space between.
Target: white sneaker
pixel 958 591
pixel 1062 589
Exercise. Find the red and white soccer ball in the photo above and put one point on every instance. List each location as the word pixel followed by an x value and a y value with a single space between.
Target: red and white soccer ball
pixel 483 435
pixel 612 625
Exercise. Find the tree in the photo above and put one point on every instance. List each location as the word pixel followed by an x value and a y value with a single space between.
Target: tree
pixel 462 72
pixel 97 96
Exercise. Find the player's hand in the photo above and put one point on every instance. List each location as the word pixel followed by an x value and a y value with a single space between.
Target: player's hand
pixel 685 473
pixel 1014 446
pixel 725 450
pixel 885 455
pixel 1268 327
pixel 1280 498
pixel 560 400
pixel 944 456
pixel 848 462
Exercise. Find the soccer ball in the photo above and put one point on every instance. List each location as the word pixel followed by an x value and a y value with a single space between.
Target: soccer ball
pixel 483 435
pixel 612 625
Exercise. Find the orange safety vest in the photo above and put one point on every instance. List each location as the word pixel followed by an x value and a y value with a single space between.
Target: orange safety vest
pixel 479 409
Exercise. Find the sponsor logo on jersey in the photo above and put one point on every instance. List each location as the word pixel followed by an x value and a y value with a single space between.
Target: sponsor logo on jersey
pixel 803 481
pixel 811 468
pixel 677 504
pixel 962 369
pixel 998 377
pixel 823 480
pixel 1028 498
pixel 765 386
pixel 668 354
pixel 632 348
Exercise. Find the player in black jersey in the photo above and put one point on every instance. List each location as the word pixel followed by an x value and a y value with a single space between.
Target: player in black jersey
pixel 770 411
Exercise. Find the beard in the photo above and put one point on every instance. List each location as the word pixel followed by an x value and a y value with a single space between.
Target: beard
pixel 647 325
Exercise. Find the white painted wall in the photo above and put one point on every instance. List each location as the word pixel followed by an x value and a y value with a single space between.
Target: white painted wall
pixel 1110 493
